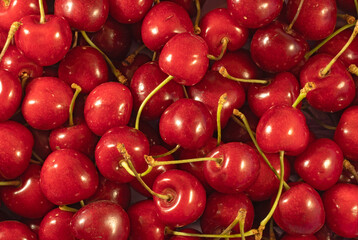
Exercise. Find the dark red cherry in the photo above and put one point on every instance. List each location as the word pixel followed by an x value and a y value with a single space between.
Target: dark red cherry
pixel 102 219
pixel 254 13
pixel 298 237
pixel 189 5
pixel 187 198
pixel 186 122
pixel 10 95
pixel 129 11
pixel 84 15
pixel 56 225
pixel 108 105
pixel 27 200
pixel 347 6
pixel 162 22
pixel 67 177
pixel 46 103
pixel 189 66
pixel 275 50
pixel 282 128
pixel 138 61
pixel 187 230
pixel 340 203
pixel 16 144
pixel 316 19
pixel 16 230
pixel 300 210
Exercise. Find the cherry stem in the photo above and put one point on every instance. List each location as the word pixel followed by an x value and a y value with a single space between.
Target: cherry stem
pixel 156 1
pixel 149 169
pixel 234 223
pixel 82 203
pixel 72 105
pixel 242 216
pixel 125 165
pixel 6 3
pixel 150 95
pixel 350 168
pixel 197 29
pixel 356 5
pixel 185 91
pixel 303 93
pixel 272 233
pixel 237 121
pixel 168 153
pixel 253 139
pixel 13 28
pixel 221 102
pixel 75 40
pixel 338 31
pixel 348 18
pixel 120 77
pixel 273 208
pixel 152 162
pixel 128 159
pixel 24 77
pixel 37 157
pixel 35 162
pixel 295 17
pixel 225 74
pixel 168 231
pixel 224 43
pixel 129 60
pixel 353 69
pixel 68 209
pixel 322 124
pixel 154 56
pixel 42 12
pixel 12 183
pixel 325 71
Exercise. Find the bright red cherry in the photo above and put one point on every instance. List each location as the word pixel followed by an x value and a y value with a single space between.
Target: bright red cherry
pixel 129 11
pixel 16 230
pixel 10 95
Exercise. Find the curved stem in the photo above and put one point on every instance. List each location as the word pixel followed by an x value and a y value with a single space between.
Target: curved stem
pixel 14 27
pixel 42 12
pixel 149 169
pixel 224 43
pixel 72 105
pixel 303 93
pixel 296 16
pixel 75 40
pixel 24 77
pixel 151 162
pixel 168 231
pixel 12 183
pixel 225 74
pixel 37 157
pixel 120 77
pixel 129 60
pixel 68 209
pixel 197 29
pixel 236 120
pixel 348 18
pixel 234 223
pixel 150 95
pixel 124 165
pixel 168 153
pixel 35 162
pixel 350 168
pixel 82 203
pixel 222 101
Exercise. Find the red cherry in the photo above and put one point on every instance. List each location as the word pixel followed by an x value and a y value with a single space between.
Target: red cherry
pixel 10 95
pixel 299 237
pixel 41 143
pixel 187 230
pixel 16 230
pixel 129 11
pixel 138 61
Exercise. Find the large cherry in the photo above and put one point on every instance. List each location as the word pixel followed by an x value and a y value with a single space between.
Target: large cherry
pixel 10 94
pixel 68 169
pixel 129 11
pixel 341 206
pixel 186 122
pixel 16 230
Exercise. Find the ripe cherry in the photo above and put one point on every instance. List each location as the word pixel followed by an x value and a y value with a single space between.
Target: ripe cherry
pixel 10 94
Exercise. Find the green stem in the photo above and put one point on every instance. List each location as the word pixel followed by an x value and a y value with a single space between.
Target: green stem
pixel 296 16
pixel 197 29
pixel 151 162
pixel 185 92
pixel 14 27
pixel 222 101
pixel 242 216
pixel 68 209
pixel 150 95
pixel 125 165
pixel 42 12
pixel 237 121
pixel 37 157
pixel 168 153
pixel 233 223
pixel 168 231
pixel 12 183
pixel 224 43
pixel 24 77
pixel 129 60
pixel 78 89
pixel 303 93
pixel 82 203
pixel 225 74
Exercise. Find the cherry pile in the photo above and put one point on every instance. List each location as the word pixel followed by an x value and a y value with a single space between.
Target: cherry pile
pixel 178 119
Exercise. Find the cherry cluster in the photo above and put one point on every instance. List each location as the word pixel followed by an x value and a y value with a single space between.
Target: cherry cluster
pixel 224 119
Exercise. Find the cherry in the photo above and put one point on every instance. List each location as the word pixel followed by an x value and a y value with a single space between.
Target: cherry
pixel 56 225
pixel 282 128
pixel 83 15
pixel 129 11
pixel 347 6
pixel 107 106
pixel 46 103
pixel 253 13
pixel 16 230
pixel 299 237
pixel 300 210
pixel 84 66
pixel 10 95
pixel 68 169
pixel 186 230
pixel 190 117
pixel 340 203
pixel 316 19
pixel 41 143
pixel 91 222
pixel 189 5
pixel 16 144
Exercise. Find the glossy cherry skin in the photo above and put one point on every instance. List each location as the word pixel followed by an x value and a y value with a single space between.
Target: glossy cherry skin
pixel 27 200
pixel 162 22
pixel 333 92
pixel 144 81
pixel 317 18
pixel 188 67
pixel 253 13
pixel 129 11
pixel 345 135
pixel 209 90
pixel 186 230
pixel 91 222
pixel 282 128
pixel 190 117
pixel 145 222
pixel 188 198
pixel 10 94
pixel 16 144
pixel 108 105
pixel 84 15
pixel 16 230
pixel 299 237
pixel 275 50
pixel 46 103
pixel 238 159
pixel 56 225
pixel 55 30
pixel 108 157
pixel 300 210
pixel 340 203
pixel 216 25
pixel 221 210
pixel 68 169
pixel 321 164
pixel 283 88
pixel 84 66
